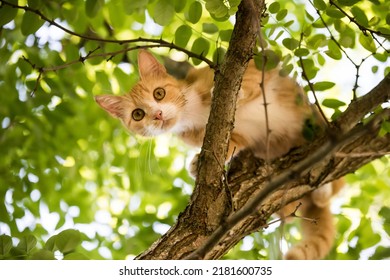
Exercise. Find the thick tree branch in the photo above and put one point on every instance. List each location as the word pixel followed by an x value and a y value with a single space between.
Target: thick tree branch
pixel 210 180
pixel 211 200
pixel 364 105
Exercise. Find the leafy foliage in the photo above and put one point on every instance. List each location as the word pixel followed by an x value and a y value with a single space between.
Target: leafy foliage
pixel 75 185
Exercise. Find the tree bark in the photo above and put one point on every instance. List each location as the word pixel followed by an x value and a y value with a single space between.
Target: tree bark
pixel 217 199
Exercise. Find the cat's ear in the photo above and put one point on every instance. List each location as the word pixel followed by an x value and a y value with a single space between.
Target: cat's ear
pixel 112 104
pixel 148 65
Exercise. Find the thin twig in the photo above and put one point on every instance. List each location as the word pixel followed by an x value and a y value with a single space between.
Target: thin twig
pixel 357 66
pixel 311 86
pixel 268 131
pixel 362 154
pixel 160 42
pixel 361 27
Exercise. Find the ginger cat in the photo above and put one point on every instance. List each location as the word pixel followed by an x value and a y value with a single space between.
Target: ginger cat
pixel 160 103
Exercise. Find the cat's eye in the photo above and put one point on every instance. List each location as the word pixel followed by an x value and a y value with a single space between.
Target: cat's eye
pixel 159 93
pixel 138 114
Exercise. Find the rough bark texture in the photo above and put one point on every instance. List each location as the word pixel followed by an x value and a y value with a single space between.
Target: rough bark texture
pixel 216 199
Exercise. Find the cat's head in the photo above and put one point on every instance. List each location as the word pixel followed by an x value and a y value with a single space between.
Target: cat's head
pixel 153 106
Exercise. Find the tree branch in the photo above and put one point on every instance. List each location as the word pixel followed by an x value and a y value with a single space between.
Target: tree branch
pixel 293 176
pixel 211 201
pixel 364 105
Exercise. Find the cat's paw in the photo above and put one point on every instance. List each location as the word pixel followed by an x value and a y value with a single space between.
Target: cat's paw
pixel 193 168
pixel 295 253
pixel 321 196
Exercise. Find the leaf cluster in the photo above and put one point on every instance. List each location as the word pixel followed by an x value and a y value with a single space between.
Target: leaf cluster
pixel 62 245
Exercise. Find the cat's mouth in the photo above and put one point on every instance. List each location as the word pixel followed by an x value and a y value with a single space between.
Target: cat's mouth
pixel 165 124
pixel 160 127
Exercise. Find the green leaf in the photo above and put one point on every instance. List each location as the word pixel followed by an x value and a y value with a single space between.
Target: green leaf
pixel 194 12
pixel 360 16
pixel 68 240
pixel 43 254
pixel 316 41
pixel 333 103
pixel 385 213
pixel 269 58
pixel 281 32
pixel 343 223
pixel 201 46
pixel 321 86
pixel 347 38
pixel 34 4
pixel 281 14
pixel 7 13
pixel 367 42
pixel 333 50
pixel 92 7
pixel 348 2
pixel 310 69
pixel 209 28
pixel 321 59
pixel 374 21
pixel 320 4
pixel 274 7
pixel 219 55
pixel 75 256
pixel 183 35
pixel 385 129
pixel 217 8
pixel 225 35
pixel 179 5
pixel 5 244
pixel 27 243
pixel 301 52
pixel 367 236
pixel 286 70
pixel 163 12
pixel 289 23
pixel 385 31
pixel 30 23
pixel 290 43
pixel 130 6
pixel 382 57
pixel 381 253
pixel 51 243
pixel 334 12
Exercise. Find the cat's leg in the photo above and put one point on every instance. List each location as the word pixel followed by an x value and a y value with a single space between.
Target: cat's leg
pixel 233 150
pixel 317 223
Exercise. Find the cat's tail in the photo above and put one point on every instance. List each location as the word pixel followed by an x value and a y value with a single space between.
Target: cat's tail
pixel 318 233
pixel 318 227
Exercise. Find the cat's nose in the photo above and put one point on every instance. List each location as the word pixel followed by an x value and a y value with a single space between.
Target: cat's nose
pixel 158 115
